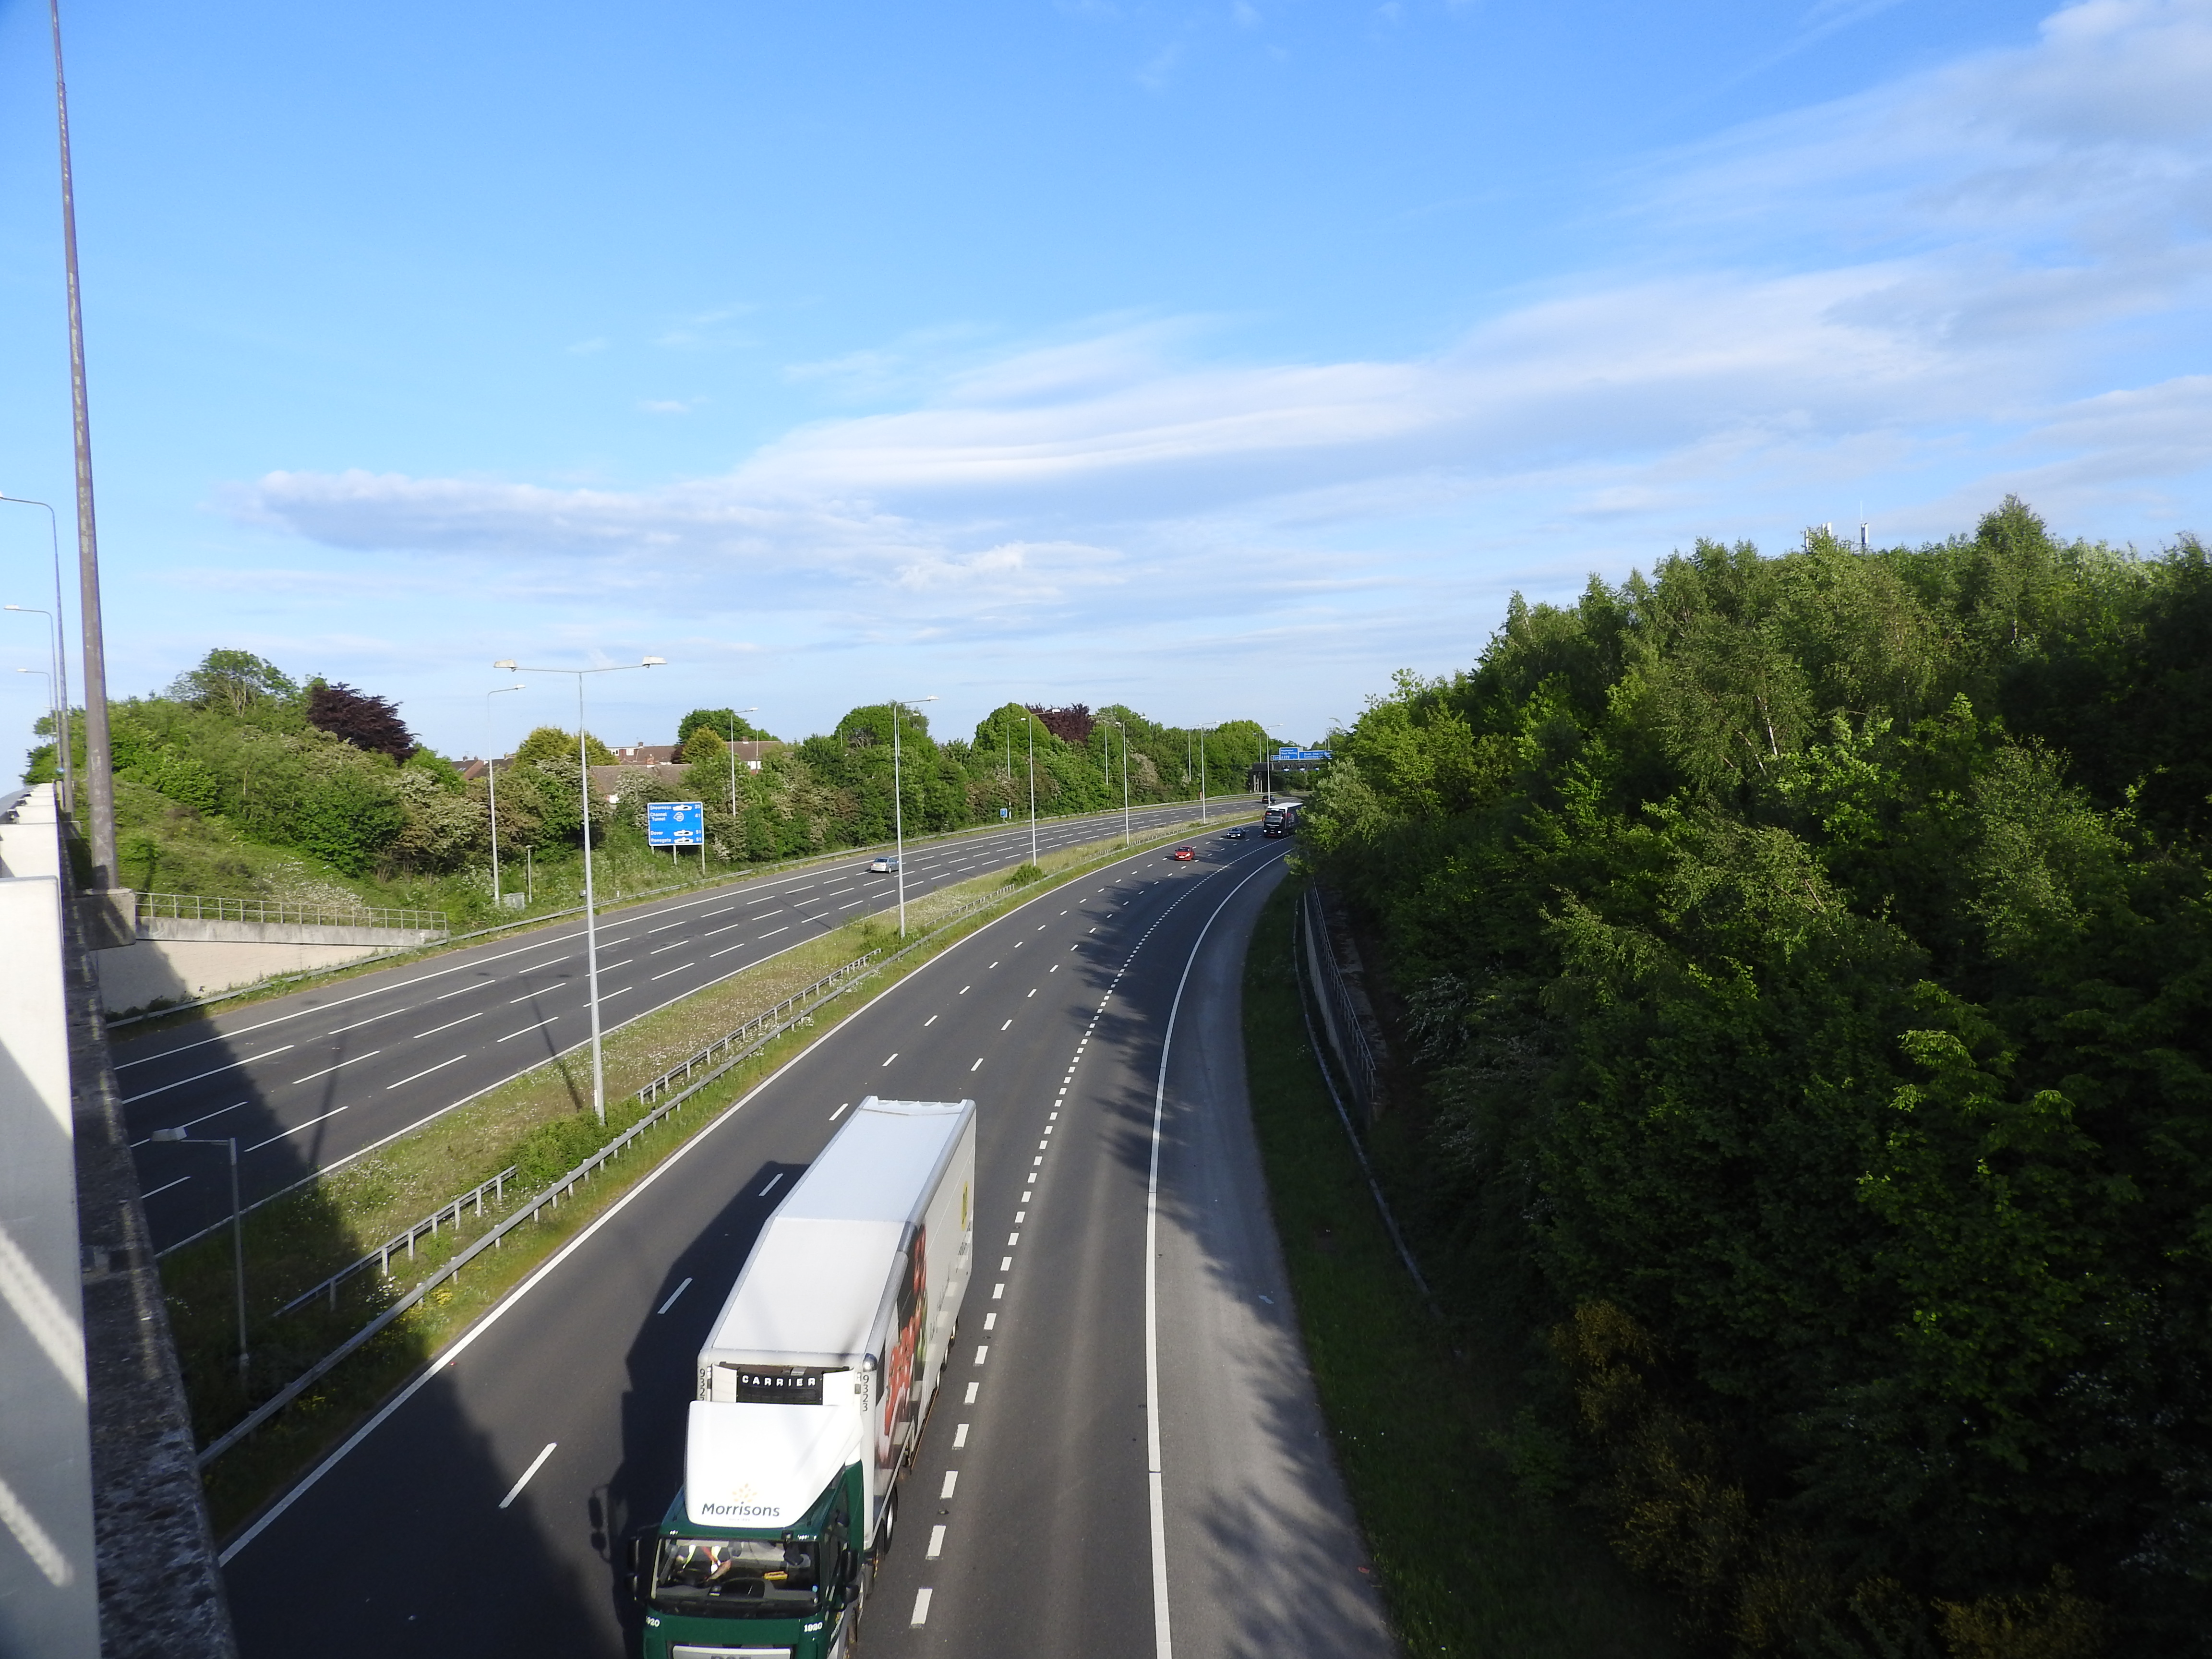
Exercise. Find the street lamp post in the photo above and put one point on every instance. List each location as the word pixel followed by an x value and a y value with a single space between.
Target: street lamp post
pixel 1124 731
pixel 591 914
pixel 53 712
pixel 237 1230
pixel 898 808
pixel 1029 732
pixel 491 775
pixel 1201 775
pixel 61 648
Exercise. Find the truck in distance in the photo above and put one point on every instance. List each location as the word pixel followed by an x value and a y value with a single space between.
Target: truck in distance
pixel 812 1391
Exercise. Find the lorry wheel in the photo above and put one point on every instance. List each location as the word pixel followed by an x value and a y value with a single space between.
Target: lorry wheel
pixel 891 1521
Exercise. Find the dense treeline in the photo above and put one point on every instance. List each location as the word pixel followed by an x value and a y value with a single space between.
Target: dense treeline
pixel 1810 966
pixel 331 771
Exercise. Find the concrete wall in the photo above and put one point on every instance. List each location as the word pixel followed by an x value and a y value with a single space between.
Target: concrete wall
pixel 181 960
pixel 48 1575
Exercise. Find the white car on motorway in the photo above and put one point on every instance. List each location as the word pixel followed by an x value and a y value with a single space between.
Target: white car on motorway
pixel 883 866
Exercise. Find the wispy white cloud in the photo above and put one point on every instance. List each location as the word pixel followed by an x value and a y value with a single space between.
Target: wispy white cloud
pixel 1993 275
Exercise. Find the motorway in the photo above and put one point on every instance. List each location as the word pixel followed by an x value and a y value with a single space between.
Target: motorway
pixel 1127 1459
pixel 309 1081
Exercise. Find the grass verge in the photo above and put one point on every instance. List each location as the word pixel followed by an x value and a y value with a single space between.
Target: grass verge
pixel 541 1122
pixel 1471 1558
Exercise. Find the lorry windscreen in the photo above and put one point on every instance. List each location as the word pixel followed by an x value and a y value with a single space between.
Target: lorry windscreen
pixel 737 1577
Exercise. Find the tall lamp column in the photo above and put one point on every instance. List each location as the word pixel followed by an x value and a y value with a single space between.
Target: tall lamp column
pixel 591 909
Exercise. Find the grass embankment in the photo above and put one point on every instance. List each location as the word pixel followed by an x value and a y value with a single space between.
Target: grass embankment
pixel 541 1122
pixel 1471 1559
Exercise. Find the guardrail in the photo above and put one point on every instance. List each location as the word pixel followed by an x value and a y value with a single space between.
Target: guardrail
pixel 1346 1031
pixel 382 1254
pixel 191 907
pixel 753 1028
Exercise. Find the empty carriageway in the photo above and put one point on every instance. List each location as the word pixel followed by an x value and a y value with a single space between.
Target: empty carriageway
pixel 309 1081
pixel 483 1510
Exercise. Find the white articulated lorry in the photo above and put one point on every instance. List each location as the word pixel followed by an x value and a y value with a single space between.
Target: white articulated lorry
pixel 811 1392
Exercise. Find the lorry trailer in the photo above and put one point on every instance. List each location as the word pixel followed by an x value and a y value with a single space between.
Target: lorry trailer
pixel 812 1391
pixel 1281 819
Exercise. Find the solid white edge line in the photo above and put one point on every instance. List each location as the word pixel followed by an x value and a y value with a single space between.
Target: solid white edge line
pixel 536 1464
pixel 492 1316
pixel 1163 1642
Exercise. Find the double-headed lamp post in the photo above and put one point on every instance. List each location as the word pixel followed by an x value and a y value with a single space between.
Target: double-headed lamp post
pixel 58 693
pixel 50 709
pixel 61 647
pixel 237 1229
pixel 591 914
pixel 1124 731
pixel 491 776
pixel 898 806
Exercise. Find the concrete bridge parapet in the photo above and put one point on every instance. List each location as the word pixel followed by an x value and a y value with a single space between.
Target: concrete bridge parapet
pixel 184 958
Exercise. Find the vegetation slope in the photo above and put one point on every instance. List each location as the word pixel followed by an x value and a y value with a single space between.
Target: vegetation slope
pixel 1808 965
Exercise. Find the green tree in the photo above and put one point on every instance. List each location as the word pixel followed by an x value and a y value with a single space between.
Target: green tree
pixel 551 743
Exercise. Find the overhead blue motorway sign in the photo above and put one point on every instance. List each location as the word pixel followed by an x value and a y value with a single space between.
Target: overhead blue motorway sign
pixel 676 823
pixel 1301 754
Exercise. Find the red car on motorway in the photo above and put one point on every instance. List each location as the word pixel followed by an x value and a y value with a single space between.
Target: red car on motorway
pixel 1184 854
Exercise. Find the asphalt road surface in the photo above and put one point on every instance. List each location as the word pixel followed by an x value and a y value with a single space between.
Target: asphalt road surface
pixel 1080 1490
pixel 309 1081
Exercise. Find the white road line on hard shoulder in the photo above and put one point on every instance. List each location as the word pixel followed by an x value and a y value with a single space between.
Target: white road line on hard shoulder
pixel 536 1464
pixel 673 1295
pixel 1156 1475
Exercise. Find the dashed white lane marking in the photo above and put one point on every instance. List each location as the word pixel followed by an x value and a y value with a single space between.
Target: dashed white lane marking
pixel 424 1072
pixel 609 967
pixel 980 1350
pixel 936 1546
pixel 931 1021
pixel 327 1070
pixel 971 1399
pixel 770 1187
pixel 840 1112
pixel 536 1464
pixel 894 1055
pixel 966 988
pixel 158 1191
pixel 673 1295
pixel 952 1480
pixel 959 1436
pixel 527 1030
pixel 773 931
pixel 341 1031
pixel 998 1290
pixel 978 1065
pixel 674 971
pixel 1007 1026
pixel 920 1607
pixel 732 928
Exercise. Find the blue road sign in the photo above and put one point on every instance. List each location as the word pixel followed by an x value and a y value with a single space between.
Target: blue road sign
pixel 1287 753
pixel 676 823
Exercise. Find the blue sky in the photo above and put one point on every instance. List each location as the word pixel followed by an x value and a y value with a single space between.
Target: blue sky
pixel 1217 358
